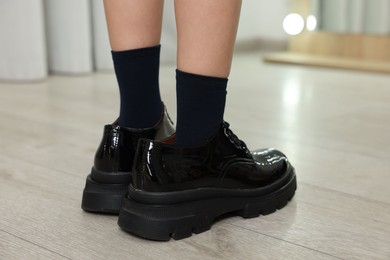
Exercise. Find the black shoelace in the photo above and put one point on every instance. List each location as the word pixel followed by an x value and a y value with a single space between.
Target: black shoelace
pixel 238 143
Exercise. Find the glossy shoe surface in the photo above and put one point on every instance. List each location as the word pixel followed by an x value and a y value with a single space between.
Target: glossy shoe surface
pixel 179 191
pixel 110 175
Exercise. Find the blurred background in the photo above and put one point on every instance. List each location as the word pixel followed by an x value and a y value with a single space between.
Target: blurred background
pixel 333 124
pixel 353 16
pixel 39 37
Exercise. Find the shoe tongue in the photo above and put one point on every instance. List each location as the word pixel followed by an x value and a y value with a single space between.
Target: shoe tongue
pixel 169 140
pixel 231 142
pixel 116 122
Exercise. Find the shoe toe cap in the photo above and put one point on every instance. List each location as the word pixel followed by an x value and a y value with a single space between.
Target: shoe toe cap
pixel 271 161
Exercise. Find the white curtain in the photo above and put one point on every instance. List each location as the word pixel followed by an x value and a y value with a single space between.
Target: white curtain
pixel 22 44
pixel 68 28
pixel 42 36
pixel 353 16
pixel 39 37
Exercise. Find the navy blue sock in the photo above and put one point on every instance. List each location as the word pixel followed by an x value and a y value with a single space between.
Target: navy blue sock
pixel 137 73
pixel 200 107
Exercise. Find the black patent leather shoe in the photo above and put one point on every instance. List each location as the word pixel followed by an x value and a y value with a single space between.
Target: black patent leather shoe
pixel 179 191
pixel 107 184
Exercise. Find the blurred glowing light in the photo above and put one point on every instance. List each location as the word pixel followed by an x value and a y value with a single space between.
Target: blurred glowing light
pixel 311 23
pixel 293 24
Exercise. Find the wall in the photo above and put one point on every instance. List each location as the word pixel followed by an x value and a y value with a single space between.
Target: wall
pixel 263 19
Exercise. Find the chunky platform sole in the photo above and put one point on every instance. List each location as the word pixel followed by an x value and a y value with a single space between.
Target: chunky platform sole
pixel 180 220
pixel 102 197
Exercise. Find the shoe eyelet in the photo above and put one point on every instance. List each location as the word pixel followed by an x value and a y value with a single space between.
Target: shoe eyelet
pixel 232 138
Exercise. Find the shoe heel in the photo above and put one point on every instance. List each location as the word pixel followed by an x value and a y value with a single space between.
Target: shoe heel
pixel 161 222
pixel 103 198
pixel 253 211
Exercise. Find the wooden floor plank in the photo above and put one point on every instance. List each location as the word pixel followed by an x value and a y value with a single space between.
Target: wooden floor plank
pixel 12 247
pixel 45 208
pixel 49 216
pixel 331 222
pixel 334 126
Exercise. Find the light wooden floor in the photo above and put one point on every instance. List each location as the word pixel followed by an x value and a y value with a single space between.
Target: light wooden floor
pixel 333 125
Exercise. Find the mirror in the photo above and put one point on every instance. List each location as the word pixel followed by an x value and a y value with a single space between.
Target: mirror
pixel 348 34
pixel 352 16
